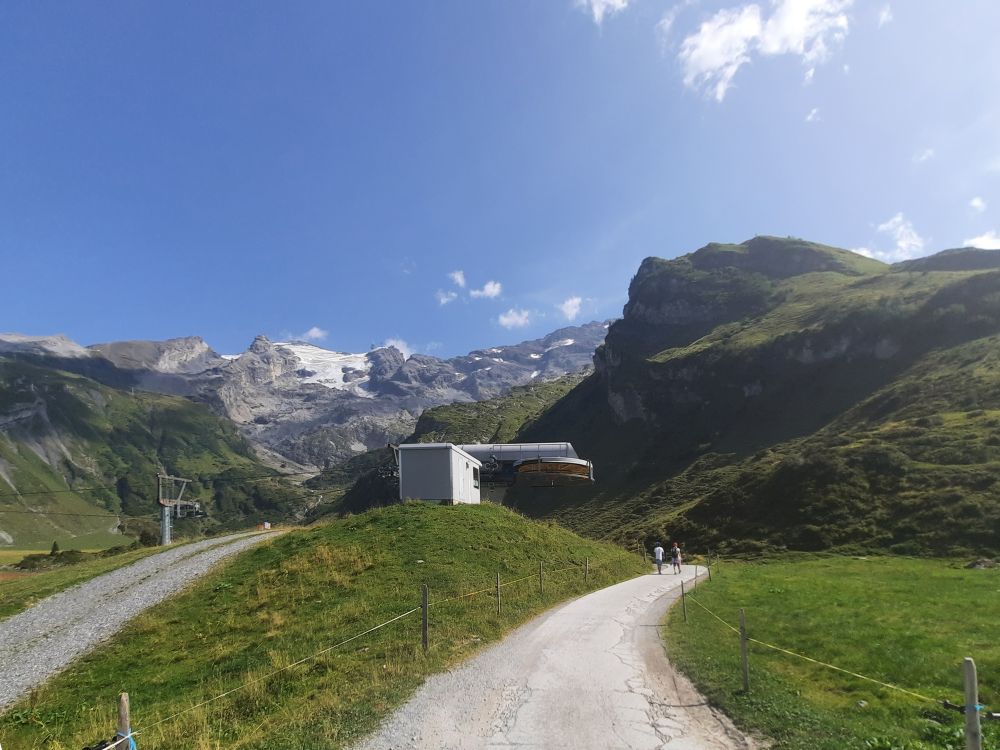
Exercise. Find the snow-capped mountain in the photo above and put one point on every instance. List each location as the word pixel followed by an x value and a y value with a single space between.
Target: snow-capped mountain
pixel 312 405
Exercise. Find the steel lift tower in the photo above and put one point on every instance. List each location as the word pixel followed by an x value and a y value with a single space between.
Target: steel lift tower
pixel 170 494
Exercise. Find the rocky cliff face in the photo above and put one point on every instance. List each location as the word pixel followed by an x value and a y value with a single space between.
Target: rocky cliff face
pixel 186 355
pixel 749 379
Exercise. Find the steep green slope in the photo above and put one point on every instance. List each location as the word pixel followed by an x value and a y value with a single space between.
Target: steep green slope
pixel 301 594
pixel 63 435
pixel 785 393
pixel 365 481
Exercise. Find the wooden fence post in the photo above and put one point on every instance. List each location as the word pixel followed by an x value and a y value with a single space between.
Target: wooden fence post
pixel 684 604
pixel 539 577
pixel 423 606
pixel 744 653
pixel 124 722
pixel 973 730
pixel 586 570
pixel 498 592
pixel 709 566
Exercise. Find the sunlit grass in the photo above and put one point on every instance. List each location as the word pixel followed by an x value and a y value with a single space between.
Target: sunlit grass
pixel 298 595
pixel 906 622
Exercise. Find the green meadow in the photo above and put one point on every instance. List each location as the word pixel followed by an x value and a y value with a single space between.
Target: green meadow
pixel 902 621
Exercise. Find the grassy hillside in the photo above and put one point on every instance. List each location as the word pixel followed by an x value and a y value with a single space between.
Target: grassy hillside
pixel 61 433
pixel 781 393
pixel 906 622
pixel 302 593
pixel 364 481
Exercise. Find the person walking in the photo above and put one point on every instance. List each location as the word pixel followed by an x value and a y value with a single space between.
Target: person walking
pixel 675 558
pixel 658 556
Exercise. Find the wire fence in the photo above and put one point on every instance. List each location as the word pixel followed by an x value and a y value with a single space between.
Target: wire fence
pixel 971 707
pixel 126 734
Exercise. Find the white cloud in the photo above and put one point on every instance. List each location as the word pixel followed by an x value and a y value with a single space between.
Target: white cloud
pixel 813 115
pixel 313 334
pixel 490 290
pixel 884 15
pixel 444 298
pixel 724 43
pixel 514 318
pixel 986 241
pixel 458 278
pixel 977 204
pixel 401 345
pixel 807 79
pixel 908 242
pixel 571 307
pixel 921 156
pixel 601 8
pixel 712 55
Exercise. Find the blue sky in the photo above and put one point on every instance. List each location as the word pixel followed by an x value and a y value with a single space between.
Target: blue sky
pixel 322 170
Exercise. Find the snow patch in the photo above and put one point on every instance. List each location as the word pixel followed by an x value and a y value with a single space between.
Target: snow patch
pixel 535 356
pixel 535 374
pixel 563 342
pixel 330 369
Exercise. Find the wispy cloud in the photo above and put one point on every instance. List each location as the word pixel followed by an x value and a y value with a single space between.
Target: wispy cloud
pixel 490 290
pixel 570 308
pixel 313 334
pixel 458 278
pixel 400 345
pixel 514 318
pixel 669 17
pixel 884 15
pixel 924 155
pixel 977 204
pixel 444 298
pixel 598 9
pixel 907 241
pixel 813 115
pixel 986 241
pixel 808 77
pixel 713 54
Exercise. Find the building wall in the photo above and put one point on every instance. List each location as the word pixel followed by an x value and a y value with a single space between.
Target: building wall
pixel 437 474
pixel 462 478
pixel 426 474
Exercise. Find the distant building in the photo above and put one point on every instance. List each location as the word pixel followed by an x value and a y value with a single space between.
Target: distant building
pixel 439 472
pixel 447 473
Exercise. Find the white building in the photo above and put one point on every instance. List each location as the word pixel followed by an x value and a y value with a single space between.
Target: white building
pixel 439 472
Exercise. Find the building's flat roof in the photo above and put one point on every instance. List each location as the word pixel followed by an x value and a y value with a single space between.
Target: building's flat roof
pixel 439 446
pixel 520 451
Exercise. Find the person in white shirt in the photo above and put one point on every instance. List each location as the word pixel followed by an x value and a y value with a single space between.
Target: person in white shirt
pixel 658 556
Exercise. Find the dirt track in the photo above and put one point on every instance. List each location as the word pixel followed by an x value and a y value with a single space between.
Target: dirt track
pixel 42 640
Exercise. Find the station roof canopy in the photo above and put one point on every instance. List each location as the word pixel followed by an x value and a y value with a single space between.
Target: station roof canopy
pixel 510 452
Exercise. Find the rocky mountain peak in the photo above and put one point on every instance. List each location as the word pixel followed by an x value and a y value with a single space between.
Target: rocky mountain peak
pixel 261 345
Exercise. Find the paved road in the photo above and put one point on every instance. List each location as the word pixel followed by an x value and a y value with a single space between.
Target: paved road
pixel 591 674
pixel 42 640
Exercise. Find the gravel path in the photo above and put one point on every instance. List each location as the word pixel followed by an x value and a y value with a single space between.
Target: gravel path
pixel 590 674
pixel 42 640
